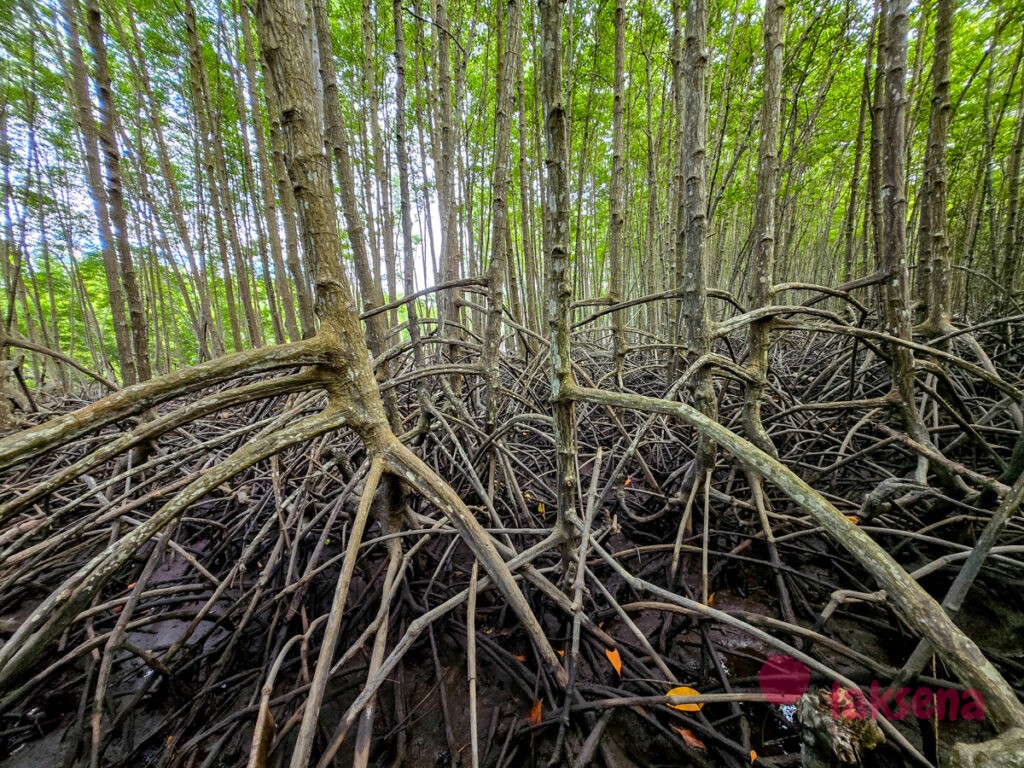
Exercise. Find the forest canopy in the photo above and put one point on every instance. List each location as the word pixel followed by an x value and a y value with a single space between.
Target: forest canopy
pixel 570 358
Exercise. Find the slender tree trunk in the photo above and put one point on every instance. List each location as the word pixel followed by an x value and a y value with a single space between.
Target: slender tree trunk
pixel 499 215
pixel 895 289
pixel 115 197
pixel 849 224
pixel 556 230
pixel 763 275
pixel 94 174
pixel 691 240
pixel 1012 241
pixel 934 243
pixel 618 221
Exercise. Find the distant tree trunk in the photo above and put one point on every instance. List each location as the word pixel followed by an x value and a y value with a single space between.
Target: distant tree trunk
pixel 850 222
pixel 674 260
pixel 115 197
pixel 448 301
pixel 1012 241
pixel 533 309
pixel 763 276
pixel 933 237
pixel 499 216
pixel 405 202
pixel 206 332
pixel 94 175
pixel 617 217
pixel 877 131
pixel 380 168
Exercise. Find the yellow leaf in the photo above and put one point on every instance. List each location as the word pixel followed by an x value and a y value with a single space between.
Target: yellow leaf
pixel 753 756
pixel 614 658
pixel 689 738
pixel 684 691
pixel 560 652
pixel 535 713
pixel 852 519
pixel 542 509
pixel 711 599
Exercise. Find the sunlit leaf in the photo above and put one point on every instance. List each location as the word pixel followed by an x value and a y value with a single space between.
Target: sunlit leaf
pixel 535 713
pixel 753 756
pixel 690 739
pixel 614 659
pixel 684 691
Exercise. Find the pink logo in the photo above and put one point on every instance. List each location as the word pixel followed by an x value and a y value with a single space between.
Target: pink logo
pixel 783 679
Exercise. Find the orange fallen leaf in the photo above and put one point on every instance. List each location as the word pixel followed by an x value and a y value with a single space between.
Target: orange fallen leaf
pixel 853 519
pixel 560 652
pixel 628 481
pixel 753 756
pixel 614 659
pixel 535 713
pixel 711 599
pixel 689 738
pixel 132 585
pixel 519 657
pixel 684 691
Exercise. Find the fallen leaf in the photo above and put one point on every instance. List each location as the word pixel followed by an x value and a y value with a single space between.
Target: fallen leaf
pixel 542 509
pixel 711 599
pixel 689 738
pixel 753 756
pixel 560 652
pixel 628 481
pixel 853 519
pixel 684 691
pixel 535 713
pixel 519 657
pixel 614 658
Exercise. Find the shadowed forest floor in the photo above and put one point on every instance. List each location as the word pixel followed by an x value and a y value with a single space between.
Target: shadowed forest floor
pixel 231 592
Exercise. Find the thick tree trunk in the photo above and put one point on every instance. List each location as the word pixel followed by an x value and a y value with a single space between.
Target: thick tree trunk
pixel 267 191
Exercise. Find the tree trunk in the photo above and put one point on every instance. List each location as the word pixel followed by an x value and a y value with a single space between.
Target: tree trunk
pixel 618 221
pixel 933 238
pixel 691 239
pixel 556 230
pixel 94 174
pixel 763 276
